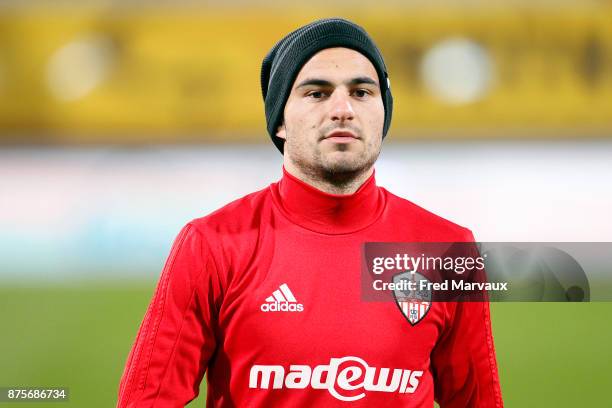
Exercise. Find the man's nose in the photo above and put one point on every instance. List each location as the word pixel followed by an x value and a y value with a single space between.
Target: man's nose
pixel 341 109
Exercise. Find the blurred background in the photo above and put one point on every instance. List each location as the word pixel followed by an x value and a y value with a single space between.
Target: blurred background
pixel 122 121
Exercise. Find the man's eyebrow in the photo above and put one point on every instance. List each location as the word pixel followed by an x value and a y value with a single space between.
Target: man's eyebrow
pixel 362 80
pixel 325 83
pixel 314 81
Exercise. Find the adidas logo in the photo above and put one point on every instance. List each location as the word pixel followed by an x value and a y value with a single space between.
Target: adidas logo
pixel 282 300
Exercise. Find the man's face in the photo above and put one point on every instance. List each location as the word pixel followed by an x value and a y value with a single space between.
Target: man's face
pixel 333 119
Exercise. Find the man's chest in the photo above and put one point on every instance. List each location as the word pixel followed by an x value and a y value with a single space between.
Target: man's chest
pixel 302 303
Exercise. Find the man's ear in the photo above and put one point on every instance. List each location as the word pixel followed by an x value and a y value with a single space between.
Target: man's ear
pixel 281 131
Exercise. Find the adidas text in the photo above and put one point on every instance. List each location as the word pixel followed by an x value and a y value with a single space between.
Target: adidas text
pixel 282 300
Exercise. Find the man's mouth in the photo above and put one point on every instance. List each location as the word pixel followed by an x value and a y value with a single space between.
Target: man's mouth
pixel 341 136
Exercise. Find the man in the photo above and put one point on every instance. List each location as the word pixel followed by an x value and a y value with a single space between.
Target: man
pixel 264 294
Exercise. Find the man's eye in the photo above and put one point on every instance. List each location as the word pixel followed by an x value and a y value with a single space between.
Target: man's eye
pixel 361 93
pixel 316 94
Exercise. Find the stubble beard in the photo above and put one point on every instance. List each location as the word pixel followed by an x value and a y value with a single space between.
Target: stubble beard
pixel 327 167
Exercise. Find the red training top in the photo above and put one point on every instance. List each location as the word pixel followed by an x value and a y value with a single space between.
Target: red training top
pixel 264 296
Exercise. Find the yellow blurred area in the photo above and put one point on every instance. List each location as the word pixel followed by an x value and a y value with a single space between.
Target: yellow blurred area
pixel 175 74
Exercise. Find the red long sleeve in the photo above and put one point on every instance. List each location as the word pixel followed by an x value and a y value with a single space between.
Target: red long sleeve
pixel 463 360
pixel 464 366
pixel 176 338
pixel 264 296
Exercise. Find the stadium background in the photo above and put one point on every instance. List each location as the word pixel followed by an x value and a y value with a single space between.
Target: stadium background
pixel 121 121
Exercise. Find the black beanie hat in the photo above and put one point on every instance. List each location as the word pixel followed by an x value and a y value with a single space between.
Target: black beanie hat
pixel 282 64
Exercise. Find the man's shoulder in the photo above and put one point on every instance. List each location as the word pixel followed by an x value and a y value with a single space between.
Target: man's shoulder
pixel 432 225
pixel 236 215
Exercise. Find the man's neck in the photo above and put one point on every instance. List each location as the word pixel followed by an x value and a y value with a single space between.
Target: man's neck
pixel 331 183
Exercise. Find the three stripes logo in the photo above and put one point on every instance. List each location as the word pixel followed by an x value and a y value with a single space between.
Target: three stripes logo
pixel 282 300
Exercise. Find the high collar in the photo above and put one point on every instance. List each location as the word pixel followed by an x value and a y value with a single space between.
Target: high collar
pixel 327 213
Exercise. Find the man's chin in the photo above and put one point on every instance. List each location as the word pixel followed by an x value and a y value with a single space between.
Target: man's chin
pixel 346 164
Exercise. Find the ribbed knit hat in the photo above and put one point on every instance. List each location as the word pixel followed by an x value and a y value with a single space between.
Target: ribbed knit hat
pixel 284 61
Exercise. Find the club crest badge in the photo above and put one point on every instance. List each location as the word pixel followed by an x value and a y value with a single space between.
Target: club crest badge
pixel 414 304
